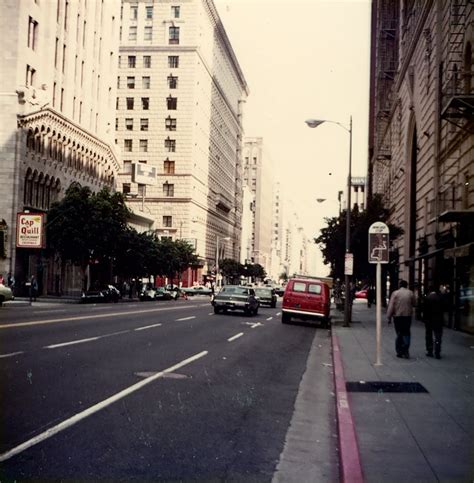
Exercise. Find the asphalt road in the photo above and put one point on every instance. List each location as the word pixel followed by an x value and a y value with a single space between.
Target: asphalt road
pixel 159 391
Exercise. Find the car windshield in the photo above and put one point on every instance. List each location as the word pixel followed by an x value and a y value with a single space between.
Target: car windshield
pixel 263 291
pixel 236 290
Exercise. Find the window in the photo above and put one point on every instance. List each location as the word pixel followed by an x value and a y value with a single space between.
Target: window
pixel 168 189
pixel 128 145
pixel 127 167
pixel 173 35
pixel 117 104
pixel 142 161
pixel 126 188
pixel 64 59
pixel 118 82
pixel 172 81
pixel 133 12
pixel 143 145
pixel 170 145
pixel 299 287
pixel 66 4
pixel 30 76
pixel 145 103
pixel 170 124
pixel 168 167
pixel 147 61
pixel 175 11
pixel 314 288
pixel 130 103
pixel 32 33
pixel 143 124
pixel 131 61
pixel 149 13
pixel 129 124
pixel 148 34
pixel 168 221
pixel 131 82
pixel 116 119
pixel 132 33
pixel 146 82
pixel 172 103
pixel 173 61
pixel 56 48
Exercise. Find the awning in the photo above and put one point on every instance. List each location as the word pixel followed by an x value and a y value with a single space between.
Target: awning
pixel 450 216
pixel 458 252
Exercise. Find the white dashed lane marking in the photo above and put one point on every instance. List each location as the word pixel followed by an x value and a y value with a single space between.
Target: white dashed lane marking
pixel 73 342
pixel 186 318
pixel 148 327
pixel 235 337
pixel 3 356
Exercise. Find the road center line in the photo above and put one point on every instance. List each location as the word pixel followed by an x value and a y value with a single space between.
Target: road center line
pixel 148 327
pixel 95 408
pixel 63 344
pixel 240 334
pixel 95 316
pixel 186 318
pixel 269 318
pixel 3 356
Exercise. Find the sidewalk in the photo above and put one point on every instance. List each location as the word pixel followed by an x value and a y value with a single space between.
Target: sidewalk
pixel 409 436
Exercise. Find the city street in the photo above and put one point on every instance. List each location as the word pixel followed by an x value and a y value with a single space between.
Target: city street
pixel 161 390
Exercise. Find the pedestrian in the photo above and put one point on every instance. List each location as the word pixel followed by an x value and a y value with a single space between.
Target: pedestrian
pixel 33 288
pixel 370 296
pixel 433 319
pixel 400 308
pixel 11 280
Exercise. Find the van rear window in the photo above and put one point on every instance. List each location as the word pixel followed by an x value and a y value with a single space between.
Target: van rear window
pixel 299 287
pixel 313 288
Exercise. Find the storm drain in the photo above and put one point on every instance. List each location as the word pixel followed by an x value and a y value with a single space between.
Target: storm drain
pixel 382 386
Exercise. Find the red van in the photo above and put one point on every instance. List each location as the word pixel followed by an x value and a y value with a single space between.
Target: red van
pixel 306 298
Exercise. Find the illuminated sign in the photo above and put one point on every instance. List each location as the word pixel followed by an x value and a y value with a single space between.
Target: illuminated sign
pixel 29 230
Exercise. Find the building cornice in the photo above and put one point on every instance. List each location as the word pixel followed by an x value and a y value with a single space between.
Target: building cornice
pixel 55 120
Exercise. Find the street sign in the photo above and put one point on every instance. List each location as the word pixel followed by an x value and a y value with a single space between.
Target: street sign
pixel 349 264
pixel 378 242
pixel 29 230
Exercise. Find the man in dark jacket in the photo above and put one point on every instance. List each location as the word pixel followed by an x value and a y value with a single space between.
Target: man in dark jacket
pixel 433 318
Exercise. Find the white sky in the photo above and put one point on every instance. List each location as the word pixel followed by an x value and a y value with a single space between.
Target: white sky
pixel 305 59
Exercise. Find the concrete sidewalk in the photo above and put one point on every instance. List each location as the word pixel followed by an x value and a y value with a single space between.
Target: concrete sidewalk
pixel 409 436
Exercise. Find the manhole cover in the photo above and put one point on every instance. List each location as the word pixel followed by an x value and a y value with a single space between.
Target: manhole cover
pixel 382 386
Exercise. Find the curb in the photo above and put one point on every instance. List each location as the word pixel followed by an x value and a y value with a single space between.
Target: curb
pixel 349 458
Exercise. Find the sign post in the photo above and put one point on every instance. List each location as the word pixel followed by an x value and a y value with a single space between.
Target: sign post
pixel 378 253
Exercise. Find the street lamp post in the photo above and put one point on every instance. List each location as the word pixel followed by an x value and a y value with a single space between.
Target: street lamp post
pixel 217 256
pixel 313 123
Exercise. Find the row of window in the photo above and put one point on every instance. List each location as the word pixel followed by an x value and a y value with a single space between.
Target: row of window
pixel 173 34
pixel 172 81
pixel 168 189
pixel 168 166
pixel 173 61
pixel 175 12
pixel 171 103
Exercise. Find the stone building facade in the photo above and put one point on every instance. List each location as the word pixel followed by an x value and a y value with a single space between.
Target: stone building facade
pixel 178 117
pixel 421 143
pixel 57 92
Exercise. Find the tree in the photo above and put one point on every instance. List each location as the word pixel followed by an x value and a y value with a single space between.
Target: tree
pixel 332 238
pixel 256 271
pixel 86 226
pixel 231 269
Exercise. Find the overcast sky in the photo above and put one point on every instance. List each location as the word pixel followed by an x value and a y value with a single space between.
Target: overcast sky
pixel 305 59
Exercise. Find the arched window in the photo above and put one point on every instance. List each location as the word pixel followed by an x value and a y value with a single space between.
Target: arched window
pixel 47 192
pixel 30 141
pixel 28 187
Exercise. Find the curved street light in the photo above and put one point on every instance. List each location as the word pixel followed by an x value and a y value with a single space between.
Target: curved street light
pixel 218 238
pixel 313 123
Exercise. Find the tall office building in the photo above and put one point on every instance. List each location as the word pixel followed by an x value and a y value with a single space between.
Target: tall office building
pixel 421 143
pixel 179 125
pixel 258 175
pixel 57 103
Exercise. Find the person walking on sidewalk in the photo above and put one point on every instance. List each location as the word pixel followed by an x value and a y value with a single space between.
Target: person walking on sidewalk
pixel 400 308
pixel 433 319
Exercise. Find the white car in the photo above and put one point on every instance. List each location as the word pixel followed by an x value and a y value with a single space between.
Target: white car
pixel 5 294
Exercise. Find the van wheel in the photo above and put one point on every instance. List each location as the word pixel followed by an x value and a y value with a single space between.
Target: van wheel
pixel 285 318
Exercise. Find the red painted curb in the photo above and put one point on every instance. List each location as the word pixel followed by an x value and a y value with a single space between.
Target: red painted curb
pixel 351 469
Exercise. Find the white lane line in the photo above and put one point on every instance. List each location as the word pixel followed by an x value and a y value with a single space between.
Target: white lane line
pixel 114 333
pixel 278 313
pixel 3 356
pixel 49 311
pixel 257 324
pixel 95 408
pixel 186 318
pixel 270 318
pixel 97 316
pixel 147 327
pixel 210 313
pixel 235 337
pixel 63 344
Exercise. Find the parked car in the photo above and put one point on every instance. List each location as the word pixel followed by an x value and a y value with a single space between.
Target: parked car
pixel 6 294
pixel 106 293
pixel 173 291
pixel 196 290
pixel 306 299
pixel 147 293
pixel 361 294
pixel 266 296
pixel 236 297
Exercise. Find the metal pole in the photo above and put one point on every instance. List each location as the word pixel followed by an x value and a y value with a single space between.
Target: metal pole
pixel 348 302
pixel 378 306
pixel 217 261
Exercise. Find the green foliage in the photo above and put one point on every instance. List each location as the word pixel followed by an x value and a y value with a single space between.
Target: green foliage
pixel 231 268
pixel 333 236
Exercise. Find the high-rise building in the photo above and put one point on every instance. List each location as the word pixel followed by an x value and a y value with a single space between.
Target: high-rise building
pixel 178 124
pixel 421 144
pixel 258 176
pixel 57 103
